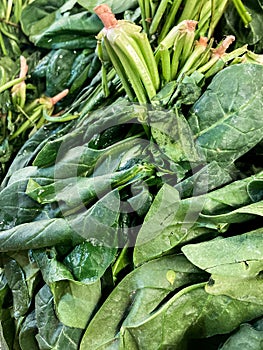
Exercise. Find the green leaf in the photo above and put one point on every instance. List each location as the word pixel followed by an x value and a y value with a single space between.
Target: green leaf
pixel 209 177
pixel 169 222
pixel 52 270
pixel 239 215
pixel 252 35
pixel 88 262
pixel 115 5
pixel 52 334
pixel 18 285
pixel 190 313
pixel 244 289
pixel 28 332
pixel 247 337
pixel 226 120
pixel 75 302
pixel 59 71
pixel 221 256
pixel 38 234
pixel 172 221
pixel 56 25
pixel 171 132
pixel 136 297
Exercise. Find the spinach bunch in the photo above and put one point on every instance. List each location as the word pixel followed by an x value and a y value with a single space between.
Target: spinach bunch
pixel 134 226
pixel 96 200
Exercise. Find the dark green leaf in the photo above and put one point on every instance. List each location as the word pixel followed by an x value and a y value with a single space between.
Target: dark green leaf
pixel 27 334
pixel 226 120
pixel 88 262
pixel 59 71
pixel 173 135
pixel 204 180
pixel 245 338
pixel 243 289
pixel 38 234
pixel 172 221
pixel 56 25
pixel 18 285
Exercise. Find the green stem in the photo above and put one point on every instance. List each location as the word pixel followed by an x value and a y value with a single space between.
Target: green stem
pixel 2 45
pixel 8 10
pixel 30 121
pixel 243 12
pixel 158 16
pixel 121 262
pixel 119 69
pixel 176 58
pixel 166 65
pixel 192 59
pixel 11 83
pixel 143 21
pixel 133 77
pixel 170 20
pixel 189 10
pixel 128 52
pixel 216 16
pixel 147 54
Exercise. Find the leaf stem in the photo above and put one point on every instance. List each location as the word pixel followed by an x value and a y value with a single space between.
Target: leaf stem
pixel 158 16
pixel 243 12
pixel 11 83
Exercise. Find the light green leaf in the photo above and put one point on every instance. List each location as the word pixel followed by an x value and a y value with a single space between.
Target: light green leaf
pixel 221 255
pixel 189 314
pixel 136 297
pixel 75 302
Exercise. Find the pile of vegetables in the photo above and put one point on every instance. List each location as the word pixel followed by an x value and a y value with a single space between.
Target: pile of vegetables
pixel 131 174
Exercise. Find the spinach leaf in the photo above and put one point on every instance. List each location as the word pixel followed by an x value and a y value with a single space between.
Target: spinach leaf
pixel 51 332
pixel 171 132
pixel 242 289
pixel 245 213
pixel 28 332
pixel 7 324
pixel 115 5
pixel 235 263
pixel 247 337
pixel 225 120
pixel 75 193
pixel 252 35
pixel 172 221
pixel 190 313
pixel 38 234
pixel 17 283
pixel 56 24
pixel 88 262
pixel 209 177
pixel 83 131
pixel 135 298
pixel 59 71
pixel 213 255
pixel 74 301
pixel 33 145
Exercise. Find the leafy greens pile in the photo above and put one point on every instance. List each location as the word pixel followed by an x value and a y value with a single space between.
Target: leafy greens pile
pixel 131 216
